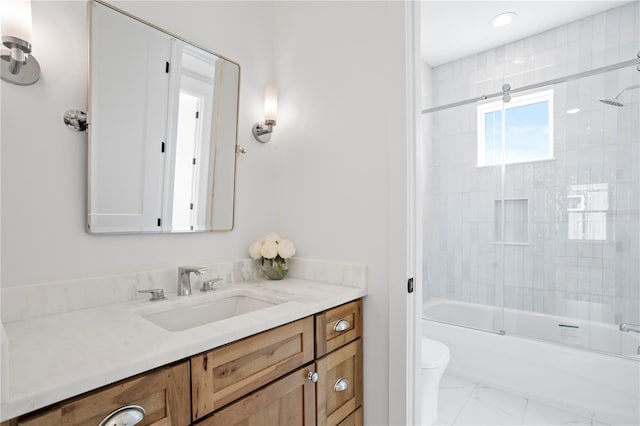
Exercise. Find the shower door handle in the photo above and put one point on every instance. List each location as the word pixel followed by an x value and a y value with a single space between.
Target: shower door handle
pixel 630 327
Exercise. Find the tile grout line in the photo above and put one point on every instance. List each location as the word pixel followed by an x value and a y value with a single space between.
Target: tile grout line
pixel 496 407
pixel 524 412
pixel 475 386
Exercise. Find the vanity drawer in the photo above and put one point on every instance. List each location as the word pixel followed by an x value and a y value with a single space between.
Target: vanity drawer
pixel 340 385
pixel 163 393
pixel 223 375
pixel 338 326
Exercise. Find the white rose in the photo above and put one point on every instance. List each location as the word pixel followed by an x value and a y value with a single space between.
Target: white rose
pixel 286 249
pixel 271 238
pixel 269 249
pixel 255 250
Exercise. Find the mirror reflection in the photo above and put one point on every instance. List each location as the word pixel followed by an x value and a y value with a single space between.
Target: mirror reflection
pixel 163 129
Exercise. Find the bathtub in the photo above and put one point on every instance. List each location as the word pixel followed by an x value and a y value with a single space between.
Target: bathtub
pixel 565 375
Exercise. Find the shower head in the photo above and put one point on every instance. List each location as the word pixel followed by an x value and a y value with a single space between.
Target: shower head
pixel 615 101
pixel 612 101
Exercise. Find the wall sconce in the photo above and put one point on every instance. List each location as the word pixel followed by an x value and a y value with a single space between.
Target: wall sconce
pixel 262 131
pixel 18 65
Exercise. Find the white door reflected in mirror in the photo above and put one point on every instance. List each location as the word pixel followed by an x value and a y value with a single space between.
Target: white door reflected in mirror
pixel 163 130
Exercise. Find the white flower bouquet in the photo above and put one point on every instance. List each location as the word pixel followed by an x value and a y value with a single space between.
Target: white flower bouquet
pixel 274 253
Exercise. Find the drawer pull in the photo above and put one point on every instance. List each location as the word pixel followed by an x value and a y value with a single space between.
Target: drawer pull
pixel 128 415
pixel 342 384
pixel 341 325
pixel 313 376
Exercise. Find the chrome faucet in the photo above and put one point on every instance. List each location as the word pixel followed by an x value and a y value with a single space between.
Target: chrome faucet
pixel 184 278
pixel 630 327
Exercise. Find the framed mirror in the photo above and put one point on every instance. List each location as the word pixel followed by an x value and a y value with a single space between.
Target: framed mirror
pixel 163 117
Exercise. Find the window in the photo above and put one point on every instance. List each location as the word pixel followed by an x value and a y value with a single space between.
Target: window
pixel 528 129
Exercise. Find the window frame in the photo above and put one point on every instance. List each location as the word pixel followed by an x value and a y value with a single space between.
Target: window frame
pixel 516 101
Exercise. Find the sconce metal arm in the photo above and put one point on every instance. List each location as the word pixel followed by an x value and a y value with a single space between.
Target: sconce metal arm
pixel 18 65
pixel 262 131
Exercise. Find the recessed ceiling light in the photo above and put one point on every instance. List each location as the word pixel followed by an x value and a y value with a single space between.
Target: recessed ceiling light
pixel 573 111
pixel 503 19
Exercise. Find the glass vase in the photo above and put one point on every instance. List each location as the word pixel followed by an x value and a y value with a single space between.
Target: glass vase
pixel 275 269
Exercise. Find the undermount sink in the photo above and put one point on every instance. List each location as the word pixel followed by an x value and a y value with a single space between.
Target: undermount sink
pixel 199 313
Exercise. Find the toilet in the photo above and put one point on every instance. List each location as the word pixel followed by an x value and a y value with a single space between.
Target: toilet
pixel 435 358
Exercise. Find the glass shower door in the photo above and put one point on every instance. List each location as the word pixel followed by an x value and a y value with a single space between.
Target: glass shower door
pixel 532 204
pixel 581 187
pixel 463 255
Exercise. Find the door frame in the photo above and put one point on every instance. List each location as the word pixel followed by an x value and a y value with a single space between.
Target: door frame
pixel 405 248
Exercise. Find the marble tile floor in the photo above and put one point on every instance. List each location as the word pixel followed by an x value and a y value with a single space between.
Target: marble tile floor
pixel 464 403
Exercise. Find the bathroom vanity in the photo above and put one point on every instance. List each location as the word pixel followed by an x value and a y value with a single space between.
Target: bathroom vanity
pixel 296 362
pixel 276 376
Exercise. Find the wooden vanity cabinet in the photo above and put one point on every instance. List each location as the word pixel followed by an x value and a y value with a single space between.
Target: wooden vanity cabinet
pixel 163 393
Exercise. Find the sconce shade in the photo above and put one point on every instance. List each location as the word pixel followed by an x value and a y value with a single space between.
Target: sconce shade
pixel 18 65
pixel 15 19
pixel 262 130
pixel 270 103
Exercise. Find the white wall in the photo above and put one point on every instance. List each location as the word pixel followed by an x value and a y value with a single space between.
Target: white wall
pixel 341 73
pixel 44 163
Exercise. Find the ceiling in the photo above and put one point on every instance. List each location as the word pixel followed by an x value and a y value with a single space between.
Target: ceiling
pixel 455 29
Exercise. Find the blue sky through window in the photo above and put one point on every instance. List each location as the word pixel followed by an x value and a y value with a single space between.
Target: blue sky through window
pixel 493 136
pixel 527 130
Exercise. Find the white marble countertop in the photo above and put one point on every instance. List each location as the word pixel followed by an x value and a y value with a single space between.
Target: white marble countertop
pixel 54 357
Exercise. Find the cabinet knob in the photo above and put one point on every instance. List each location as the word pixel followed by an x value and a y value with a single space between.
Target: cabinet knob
pixel 128 415
pixel 341 325
pixel 341 385
pixel 313 376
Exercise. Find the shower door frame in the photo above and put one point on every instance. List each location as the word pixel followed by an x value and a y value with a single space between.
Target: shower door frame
pixel 506 88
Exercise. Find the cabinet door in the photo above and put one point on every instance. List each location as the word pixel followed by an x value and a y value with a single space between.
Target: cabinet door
pixel 339 384
pixel 163 393
pixel 289 401
pixel 225 374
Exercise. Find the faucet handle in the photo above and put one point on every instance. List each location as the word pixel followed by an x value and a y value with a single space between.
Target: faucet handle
pixel 156 294
pixel 208 285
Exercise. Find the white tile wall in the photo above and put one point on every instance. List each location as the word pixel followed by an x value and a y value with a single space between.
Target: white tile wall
pixel 552 274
